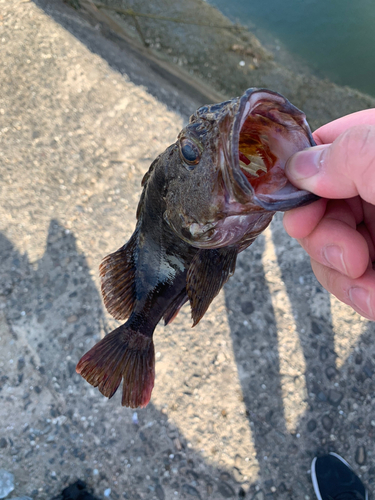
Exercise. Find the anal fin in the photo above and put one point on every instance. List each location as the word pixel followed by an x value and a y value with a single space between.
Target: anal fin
pixel 117 273
pixel 208 272
pixel 175 306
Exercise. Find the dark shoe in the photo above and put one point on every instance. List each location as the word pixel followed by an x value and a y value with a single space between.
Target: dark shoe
pixel 334 479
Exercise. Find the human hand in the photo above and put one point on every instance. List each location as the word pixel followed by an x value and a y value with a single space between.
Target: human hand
pixel 338 231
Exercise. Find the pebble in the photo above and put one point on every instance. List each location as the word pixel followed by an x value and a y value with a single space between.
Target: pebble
pixel 177 444
pixel 107 492
pixel 327 422
pixel 323 353
pixel 368 371
pixel 259 495
pixel 358 358
pixel 224 476
pixel 311 425
pixel 135 418
pixel 331 372
pixel 316 328
pixel 190 490
pixel 247 307
pixel 282 488
pixel 6 483
pixel 322 397
pixel 21 364
pixel 3 443
pixel 226 490
pixel 335 397
pixel 159 492
pixel 360 455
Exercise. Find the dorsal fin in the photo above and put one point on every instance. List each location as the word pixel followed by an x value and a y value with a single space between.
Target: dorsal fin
pixel 117 273
pixel 208 272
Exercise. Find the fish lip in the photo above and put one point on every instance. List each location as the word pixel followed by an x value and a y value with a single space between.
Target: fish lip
pixel 236 182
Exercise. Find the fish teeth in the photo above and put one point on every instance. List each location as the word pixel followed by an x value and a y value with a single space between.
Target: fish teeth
pixel 249 169
pixel 257 162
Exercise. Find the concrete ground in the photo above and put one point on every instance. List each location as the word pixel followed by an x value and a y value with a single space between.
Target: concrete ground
pixel 277 370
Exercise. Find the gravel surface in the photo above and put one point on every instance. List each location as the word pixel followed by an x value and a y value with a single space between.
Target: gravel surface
pixel 276 371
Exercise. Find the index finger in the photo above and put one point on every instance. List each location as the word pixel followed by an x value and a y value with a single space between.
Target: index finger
pixel 329 132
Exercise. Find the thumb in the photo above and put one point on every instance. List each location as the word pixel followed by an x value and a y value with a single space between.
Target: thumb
pixel 343 169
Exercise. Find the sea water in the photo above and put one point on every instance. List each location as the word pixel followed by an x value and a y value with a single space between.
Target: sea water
pixel 334 38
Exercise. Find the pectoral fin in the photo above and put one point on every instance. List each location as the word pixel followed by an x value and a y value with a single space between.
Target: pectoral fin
pixel 117 273
pixel 208 272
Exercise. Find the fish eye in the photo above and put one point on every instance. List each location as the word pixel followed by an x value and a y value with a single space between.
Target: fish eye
pixel 190 152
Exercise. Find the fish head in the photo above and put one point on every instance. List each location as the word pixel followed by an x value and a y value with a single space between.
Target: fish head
pixel 195 191
pixel 229 168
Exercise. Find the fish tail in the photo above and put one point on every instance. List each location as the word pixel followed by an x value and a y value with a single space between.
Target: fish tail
pixel 123 354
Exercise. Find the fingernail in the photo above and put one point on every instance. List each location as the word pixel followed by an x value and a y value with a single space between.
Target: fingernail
pixel 306 163
pixel 361 300
pixel 335 258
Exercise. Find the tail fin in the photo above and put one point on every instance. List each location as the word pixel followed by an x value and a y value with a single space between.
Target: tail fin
pixel 122 354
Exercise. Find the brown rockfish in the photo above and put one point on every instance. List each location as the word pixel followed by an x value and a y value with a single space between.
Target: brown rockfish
pixel 204 200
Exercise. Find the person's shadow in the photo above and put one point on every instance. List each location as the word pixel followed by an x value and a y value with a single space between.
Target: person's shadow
pixel 54 427
pixel 54 313
pixel 332 405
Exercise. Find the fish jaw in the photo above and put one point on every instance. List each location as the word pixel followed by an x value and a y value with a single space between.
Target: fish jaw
pixel 267 130
pixel 227 231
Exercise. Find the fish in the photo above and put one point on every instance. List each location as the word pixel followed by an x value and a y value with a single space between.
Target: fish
pixel 205 199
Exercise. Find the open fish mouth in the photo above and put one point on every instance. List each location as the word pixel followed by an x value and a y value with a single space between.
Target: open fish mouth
pixel 267 130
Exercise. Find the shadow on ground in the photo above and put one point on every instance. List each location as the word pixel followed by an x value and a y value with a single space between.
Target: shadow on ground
pixel 58 428
pixel 337 400
pixel 54 312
